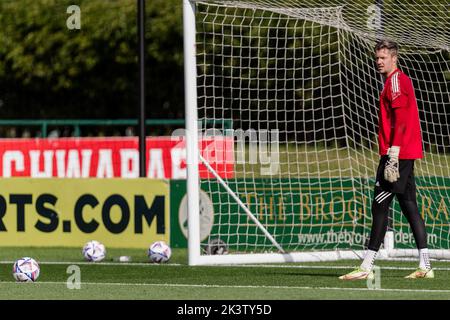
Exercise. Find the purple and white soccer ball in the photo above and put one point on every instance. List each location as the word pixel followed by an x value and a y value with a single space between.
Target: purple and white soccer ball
pixel 159 252
pixel 26 269
pixel 94 251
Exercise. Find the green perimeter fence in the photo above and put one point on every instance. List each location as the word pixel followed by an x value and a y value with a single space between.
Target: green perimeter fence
pixel 44 126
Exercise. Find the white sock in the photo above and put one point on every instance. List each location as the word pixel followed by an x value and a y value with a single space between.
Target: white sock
pixel 424 259
pixel 367 264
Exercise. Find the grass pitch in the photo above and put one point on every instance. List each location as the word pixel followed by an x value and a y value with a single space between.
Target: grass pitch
pixel 175 280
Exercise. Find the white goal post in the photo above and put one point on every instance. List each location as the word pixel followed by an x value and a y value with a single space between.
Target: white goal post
pixel 281 127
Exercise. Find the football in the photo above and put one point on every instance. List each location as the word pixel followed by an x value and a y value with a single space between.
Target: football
pixel 94 251
pixel 159 252
pixel 26 270
pixel 216 246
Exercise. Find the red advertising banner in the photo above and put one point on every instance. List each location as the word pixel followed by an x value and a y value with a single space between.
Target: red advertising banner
pixel 114 157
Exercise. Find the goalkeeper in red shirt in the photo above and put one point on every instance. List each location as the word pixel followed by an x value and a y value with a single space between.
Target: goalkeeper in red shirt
pixel 400 143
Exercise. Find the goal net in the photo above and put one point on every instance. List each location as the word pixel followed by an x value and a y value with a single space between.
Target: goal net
pixel 299 83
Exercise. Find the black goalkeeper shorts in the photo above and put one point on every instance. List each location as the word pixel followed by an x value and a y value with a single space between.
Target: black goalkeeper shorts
pixel 405 185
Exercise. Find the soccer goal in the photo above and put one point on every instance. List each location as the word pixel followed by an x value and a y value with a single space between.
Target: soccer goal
pixel 298 82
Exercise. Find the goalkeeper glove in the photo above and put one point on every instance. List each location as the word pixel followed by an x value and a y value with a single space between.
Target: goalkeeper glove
pixel 391 172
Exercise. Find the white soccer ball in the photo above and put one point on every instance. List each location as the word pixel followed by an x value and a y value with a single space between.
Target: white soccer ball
pixel 159 252
pixel 94 251
pixel 26 270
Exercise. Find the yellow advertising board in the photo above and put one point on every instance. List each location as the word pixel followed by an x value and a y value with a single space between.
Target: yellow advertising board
pixel 122 213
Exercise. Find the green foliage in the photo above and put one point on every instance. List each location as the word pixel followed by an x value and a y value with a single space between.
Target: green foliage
pixel 50 71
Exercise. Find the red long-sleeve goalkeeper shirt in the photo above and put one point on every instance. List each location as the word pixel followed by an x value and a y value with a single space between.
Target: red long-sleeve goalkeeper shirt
pixel 399 123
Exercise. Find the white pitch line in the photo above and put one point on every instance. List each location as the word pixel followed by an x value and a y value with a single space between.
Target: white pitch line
pixel 219 266
pixel 228 286
pixel 100 263
pixel 334 267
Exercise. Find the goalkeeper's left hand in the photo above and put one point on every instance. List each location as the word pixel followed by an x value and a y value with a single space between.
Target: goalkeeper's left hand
pixel 391 172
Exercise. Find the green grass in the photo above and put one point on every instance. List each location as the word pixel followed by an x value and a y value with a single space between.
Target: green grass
pixel 178 281
pixel 300 160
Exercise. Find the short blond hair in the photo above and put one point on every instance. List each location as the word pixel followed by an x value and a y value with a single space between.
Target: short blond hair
pixel 389 45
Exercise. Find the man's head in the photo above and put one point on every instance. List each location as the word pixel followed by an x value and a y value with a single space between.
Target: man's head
pixel 386 53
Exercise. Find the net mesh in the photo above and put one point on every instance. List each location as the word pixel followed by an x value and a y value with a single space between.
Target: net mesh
pixel 300 84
